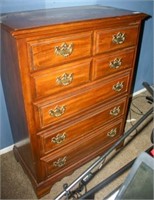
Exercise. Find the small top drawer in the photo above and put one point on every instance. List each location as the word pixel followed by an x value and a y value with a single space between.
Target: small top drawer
pixel 58 79
pixel 109 64
pixel 56 51
pixel 108 40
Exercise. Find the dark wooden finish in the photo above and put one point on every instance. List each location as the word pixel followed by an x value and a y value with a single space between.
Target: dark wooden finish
pixel 42 52
pixel 11 82
pixel 101 65
pixel 80 103
pixel 76 152
pixel 45 82
pixel 104 43
pixel 22 22
pixel 84 127
pixel 74 46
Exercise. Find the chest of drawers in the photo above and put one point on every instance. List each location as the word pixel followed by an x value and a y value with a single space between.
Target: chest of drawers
pixel 67 76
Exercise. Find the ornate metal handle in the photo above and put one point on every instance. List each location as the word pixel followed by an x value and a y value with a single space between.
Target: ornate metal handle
pixel 118 86
pixel 116 63
pixel 64 50
pixel 59 138
pixel 119 38
pixel 58 111
pixel 115 111
pixel 65 79
pixel 112 133
pixel 60 162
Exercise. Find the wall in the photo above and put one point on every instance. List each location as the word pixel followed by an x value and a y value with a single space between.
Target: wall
pixel 144 72
pixel 24 5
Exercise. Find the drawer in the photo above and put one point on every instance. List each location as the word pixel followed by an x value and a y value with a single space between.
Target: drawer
pixel 62 78
pixel 112 63
pixel 49 113
pixel 59 50
pixel 82 149
pixel 113 39
pixel 53 140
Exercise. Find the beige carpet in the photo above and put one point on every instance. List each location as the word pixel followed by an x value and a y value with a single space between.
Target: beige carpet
pixel 16 185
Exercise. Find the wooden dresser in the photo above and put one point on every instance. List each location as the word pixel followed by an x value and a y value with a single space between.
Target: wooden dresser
pixel 67 76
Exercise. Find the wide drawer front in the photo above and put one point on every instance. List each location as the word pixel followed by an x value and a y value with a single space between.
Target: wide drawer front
pixel 81 149
pixel 108 40
pixel 52 140
pixel 105 65
pixel 51 113
pixel 59 50
pixel 58 79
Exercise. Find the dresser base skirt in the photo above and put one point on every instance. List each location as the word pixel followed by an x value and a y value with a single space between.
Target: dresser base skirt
pixel 42 188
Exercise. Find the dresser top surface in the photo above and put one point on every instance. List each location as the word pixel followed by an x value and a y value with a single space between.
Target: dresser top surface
pixel 54 16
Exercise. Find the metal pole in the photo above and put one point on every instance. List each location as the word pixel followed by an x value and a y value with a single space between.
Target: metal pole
pixel 149 89
pixel 107 180
pixel 110 178
pixel 104 155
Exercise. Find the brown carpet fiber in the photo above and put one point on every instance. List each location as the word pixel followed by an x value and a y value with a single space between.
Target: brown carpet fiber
pixel 16 185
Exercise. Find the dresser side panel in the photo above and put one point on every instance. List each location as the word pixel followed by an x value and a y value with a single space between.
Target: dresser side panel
pixel 14 98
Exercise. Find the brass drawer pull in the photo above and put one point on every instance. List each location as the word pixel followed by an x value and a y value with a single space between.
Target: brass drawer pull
pixel 112 133
pixel 60 162
pixel 116 63
pixel 64 50
pixel 119 38
pixel 115 111
pixel 65 79
pixel 58 111
pixel 59 138
pixel 118 86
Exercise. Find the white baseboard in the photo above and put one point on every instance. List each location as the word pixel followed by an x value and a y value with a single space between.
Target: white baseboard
pixel 6 150
pixel 139 92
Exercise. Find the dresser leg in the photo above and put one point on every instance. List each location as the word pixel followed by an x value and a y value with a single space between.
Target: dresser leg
pixel 41 191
